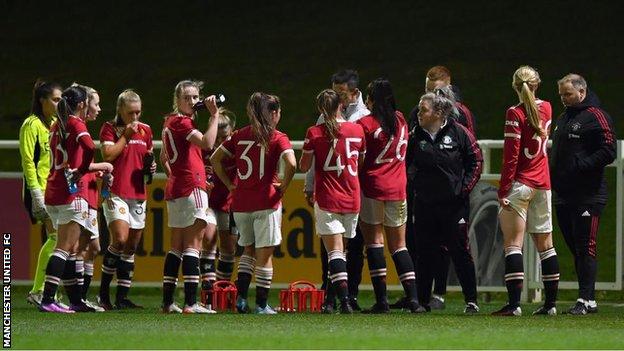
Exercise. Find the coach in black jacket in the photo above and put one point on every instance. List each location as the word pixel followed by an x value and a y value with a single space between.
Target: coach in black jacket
pixel 584 144
pixel 444 164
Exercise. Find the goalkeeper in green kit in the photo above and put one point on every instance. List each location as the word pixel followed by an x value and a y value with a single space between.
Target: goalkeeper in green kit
pixel 34 149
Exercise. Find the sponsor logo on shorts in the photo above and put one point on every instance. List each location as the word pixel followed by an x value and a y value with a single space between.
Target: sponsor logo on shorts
pixel 94 222
pixel 85 215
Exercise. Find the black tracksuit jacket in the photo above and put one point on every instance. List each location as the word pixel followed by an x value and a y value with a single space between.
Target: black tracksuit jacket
pixel 445 169
pixel 584 143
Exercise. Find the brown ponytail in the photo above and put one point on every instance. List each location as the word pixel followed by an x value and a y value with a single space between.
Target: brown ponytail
pixel 328 102
pixel 259 110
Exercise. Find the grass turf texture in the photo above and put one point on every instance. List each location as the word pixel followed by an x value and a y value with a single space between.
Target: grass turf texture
pixel 149 329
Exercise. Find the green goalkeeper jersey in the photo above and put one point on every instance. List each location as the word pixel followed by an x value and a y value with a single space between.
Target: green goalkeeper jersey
pixel 34 146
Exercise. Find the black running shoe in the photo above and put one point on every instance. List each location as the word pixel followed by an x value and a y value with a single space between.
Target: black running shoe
pixel 345 307
pixel 415 307
pixel 354 304
pixel 328 308
pixel 104 303
pixel 437 303
pixel 545 311
pixel 81 307
pixel 471 308
pixel 508 311
pixel 126 304
pixel 377 308
pixel 400 304
pixel 579 309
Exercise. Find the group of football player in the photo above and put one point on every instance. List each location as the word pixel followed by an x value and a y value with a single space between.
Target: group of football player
pixel 371 177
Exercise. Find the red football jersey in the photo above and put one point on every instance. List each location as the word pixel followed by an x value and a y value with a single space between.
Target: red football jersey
pixel 256 169
pixel 383 176
pixel 220 197
pixel 72 154
pixel 185 158
pixel 336 183
pixel 128 180
pixel 524 151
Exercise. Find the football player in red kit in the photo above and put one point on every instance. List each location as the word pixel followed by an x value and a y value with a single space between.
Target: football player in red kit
pixel 337 149
pixel 383 180
pixel 187 200
pixel 524 193
pixel 69 199
pixel 257 195
pixel 87 252
pixel 126 143
pixel 219 200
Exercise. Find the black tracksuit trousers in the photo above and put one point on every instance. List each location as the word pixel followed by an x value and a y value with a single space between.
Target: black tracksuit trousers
pixel 579 226
pixel 437 225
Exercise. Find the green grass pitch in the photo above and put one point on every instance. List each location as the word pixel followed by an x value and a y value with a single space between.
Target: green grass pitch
pixel 447 329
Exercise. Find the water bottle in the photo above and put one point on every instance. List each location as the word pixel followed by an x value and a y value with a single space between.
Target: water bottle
pixel 105 192
pixel 71 184
pixel 148 160
pixel 201 106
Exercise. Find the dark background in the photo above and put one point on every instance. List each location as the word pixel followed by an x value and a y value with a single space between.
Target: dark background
pixel 291 49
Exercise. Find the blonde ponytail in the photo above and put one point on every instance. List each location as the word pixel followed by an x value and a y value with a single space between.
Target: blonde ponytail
pixel 525 83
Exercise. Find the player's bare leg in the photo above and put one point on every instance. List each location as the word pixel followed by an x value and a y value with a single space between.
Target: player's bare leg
pixel 246 268
pixel 374 241
pixel 264 277
pixel 68 236
pixel 171 270
pixel 192 239
pixel 207 259
pixel 513 227
pixel 125 271
pixel 338 269
pixel 550 272
pixel 404 265
pixel 227 251
pixel 119 231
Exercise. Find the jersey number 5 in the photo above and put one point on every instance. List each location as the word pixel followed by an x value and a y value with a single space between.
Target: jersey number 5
pixel 339 167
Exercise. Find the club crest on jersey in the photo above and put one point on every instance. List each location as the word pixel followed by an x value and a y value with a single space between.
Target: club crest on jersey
pixel 122 210
pixel 423 144
pixel 576 126
pixel 447 139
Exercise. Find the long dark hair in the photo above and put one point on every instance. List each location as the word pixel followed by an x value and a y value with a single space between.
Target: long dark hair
pixel 380 93
pixel 42 90
pixel 70 99
pixel 259 109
